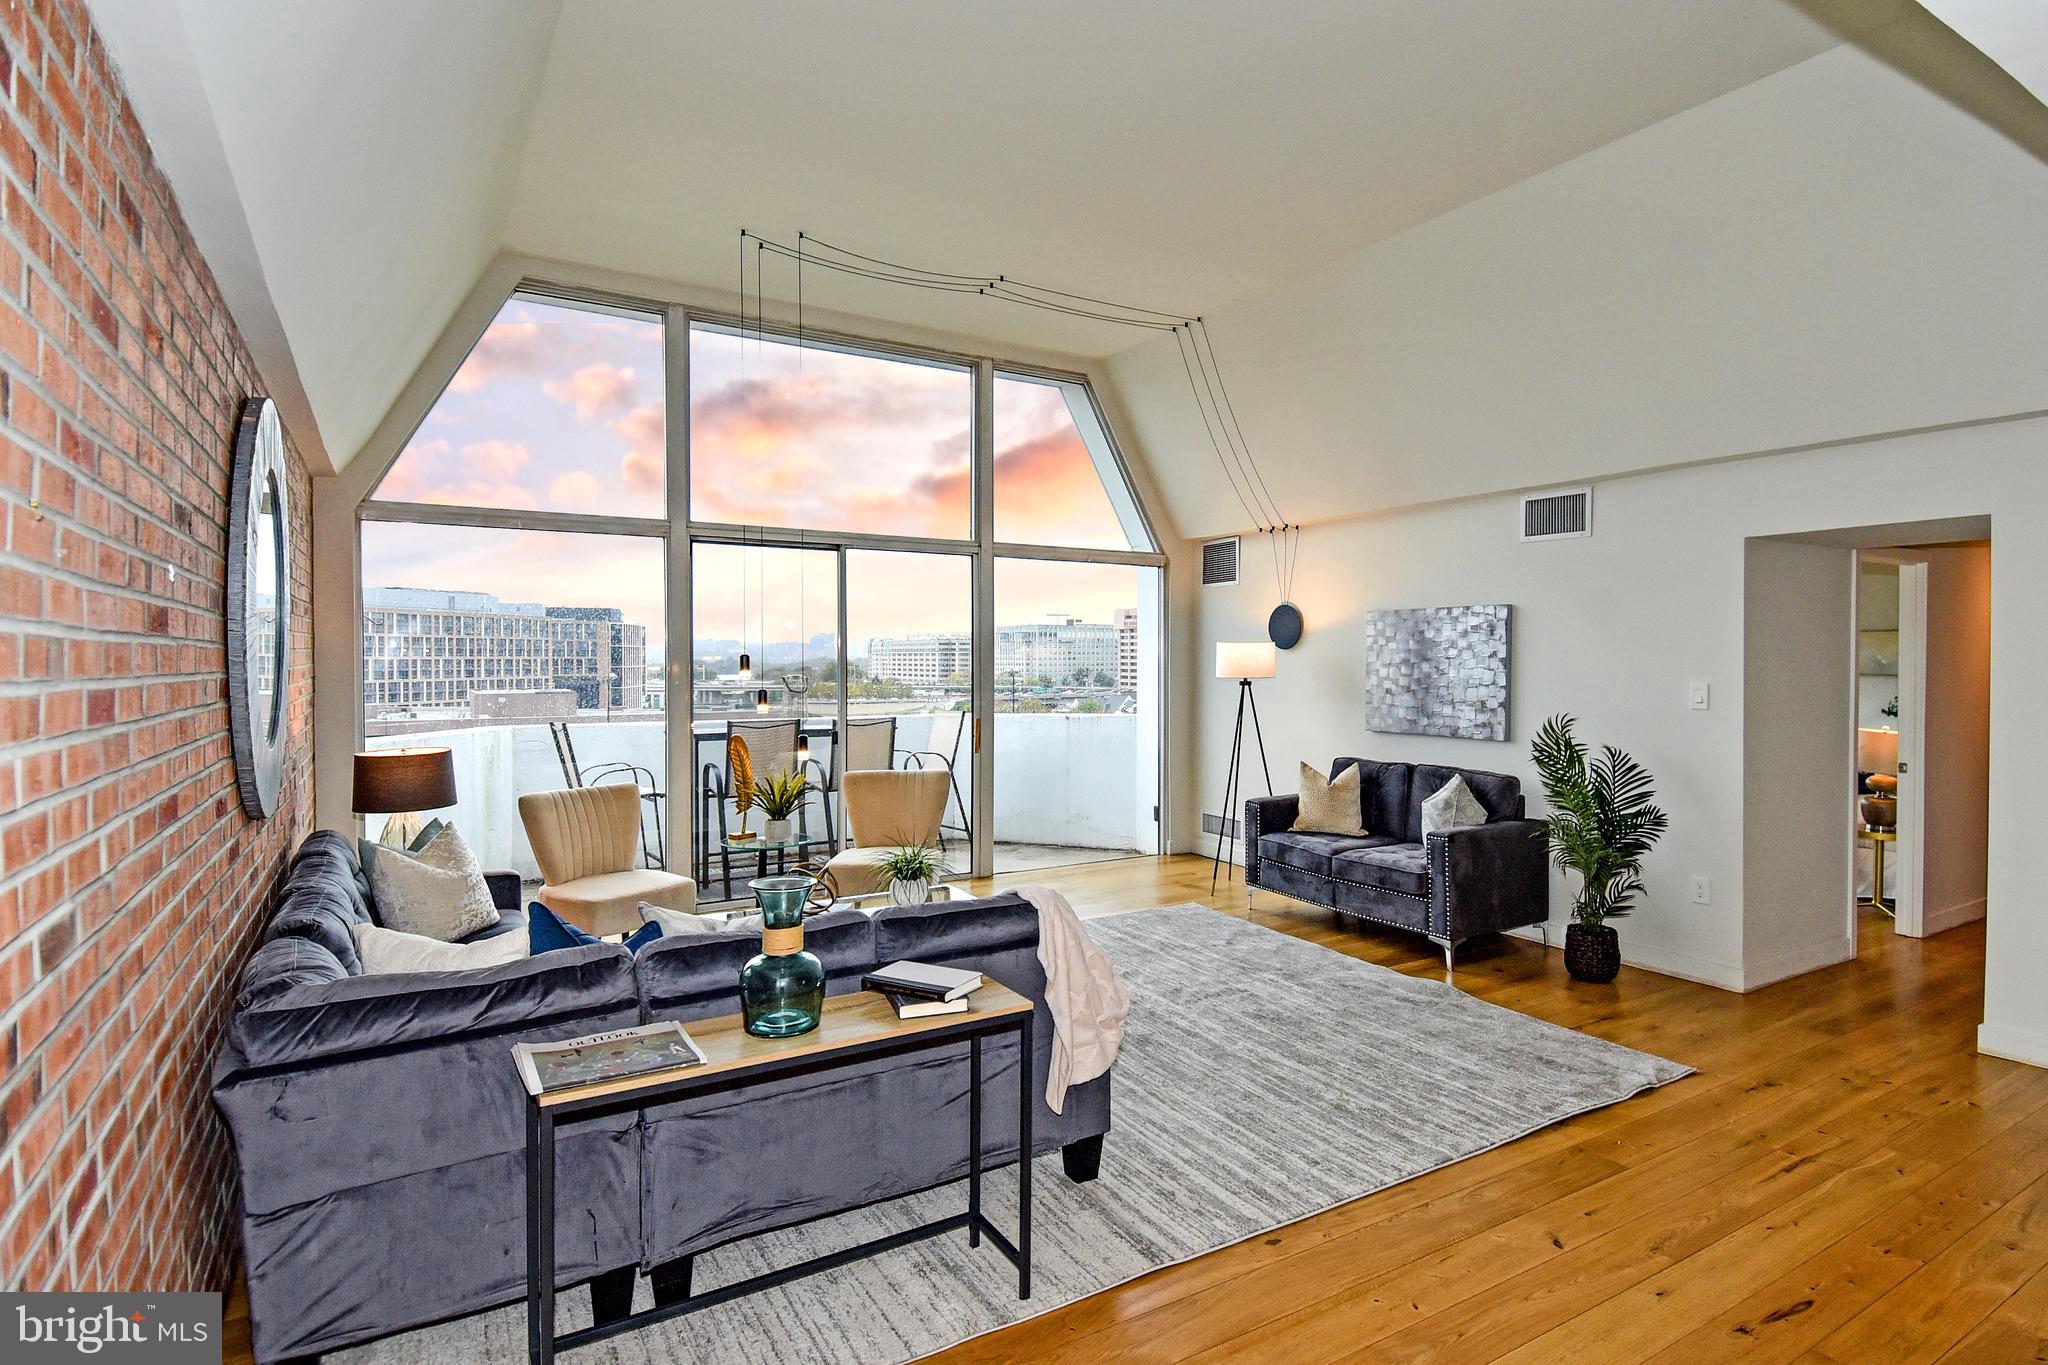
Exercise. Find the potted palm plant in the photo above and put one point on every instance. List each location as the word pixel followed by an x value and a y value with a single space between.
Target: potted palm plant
pixel 780 796
pixel 1602 824
pixel 911 872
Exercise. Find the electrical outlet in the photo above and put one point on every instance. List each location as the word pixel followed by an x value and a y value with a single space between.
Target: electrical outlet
pixel 1702 891
pixel 1700 697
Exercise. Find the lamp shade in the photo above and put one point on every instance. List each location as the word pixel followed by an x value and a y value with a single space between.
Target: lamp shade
pixel 1247 659
pixel 395 781
pixel 1877 751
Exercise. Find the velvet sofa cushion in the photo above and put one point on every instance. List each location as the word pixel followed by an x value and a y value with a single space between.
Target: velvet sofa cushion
pixel 1383 793
pixel 1306 851
pixel 340 1018
pixel 1391 867
pixel 689 974
pixel 1499 793
pixel 940 931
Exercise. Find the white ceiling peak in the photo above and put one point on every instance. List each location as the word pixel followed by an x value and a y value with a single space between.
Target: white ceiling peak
pixel 351 168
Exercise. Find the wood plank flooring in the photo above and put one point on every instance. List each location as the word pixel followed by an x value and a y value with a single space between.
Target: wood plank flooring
pixel 1844 1180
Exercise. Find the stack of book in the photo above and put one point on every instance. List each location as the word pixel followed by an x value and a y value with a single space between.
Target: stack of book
pixel 918 990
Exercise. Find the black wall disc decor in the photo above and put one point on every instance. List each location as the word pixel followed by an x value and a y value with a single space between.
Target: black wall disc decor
pixel 1283 627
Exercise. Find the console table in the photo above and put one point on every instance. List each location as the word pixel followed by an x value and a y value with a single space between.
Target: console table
pixel 855 1028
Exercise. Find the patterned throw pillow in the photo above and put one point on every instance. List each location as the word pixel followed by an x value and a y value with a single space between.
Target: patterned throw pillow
pixel 1329 807
pixel 439 892
pixel 1452 806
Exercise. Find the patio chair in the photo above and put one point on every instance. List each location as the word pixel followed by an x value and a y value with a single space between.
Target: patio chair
pixel 869 746
pixel 947 727
pixel 654 851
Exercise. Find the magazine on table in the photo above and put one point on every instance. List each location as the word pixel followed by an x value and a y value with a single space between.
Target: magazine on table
pixel 617 1055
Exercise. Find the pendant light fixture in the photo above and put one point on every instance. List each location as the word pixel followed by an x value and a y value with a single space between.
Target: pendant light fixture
pixel 803 638
pixel 746 672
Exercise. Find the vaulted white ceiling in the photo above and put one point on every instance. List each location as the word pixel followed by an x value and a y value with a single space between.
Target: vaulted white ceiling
pixel 349 168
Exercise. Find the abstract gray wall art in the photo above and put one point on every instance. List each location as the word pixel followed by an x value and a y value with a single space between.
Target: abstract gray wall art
pixel 1438 671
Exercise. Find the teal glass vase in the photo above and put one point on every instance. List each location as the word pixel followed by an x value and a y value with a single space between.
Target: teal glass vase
pixel 782 990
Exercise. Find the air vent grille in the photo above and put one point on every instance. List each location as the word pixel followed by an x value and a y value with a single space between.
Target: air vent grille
pixel 1565 514
pixel 1219 562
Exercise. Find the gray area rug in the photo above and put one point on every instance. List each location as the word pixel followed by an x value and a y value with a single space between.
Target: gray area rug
pixel 1262 1079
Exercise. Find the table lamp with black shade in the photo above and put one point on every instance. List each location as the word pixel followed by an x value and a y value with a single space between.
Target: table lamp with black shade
pixel 1244 662
pixel 400 783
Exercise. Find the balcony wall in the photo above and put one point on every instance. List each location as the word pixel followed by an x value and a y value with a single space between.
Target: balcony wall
pixel 1064 780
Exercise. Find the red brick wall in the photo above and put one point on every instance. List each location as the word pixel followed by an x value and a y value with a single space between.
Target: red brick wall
pixel 131 883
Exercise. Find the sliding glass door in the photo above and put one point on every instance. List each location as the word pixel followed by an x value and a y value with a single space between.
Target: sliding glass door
pixel 1077 692
pixel 909 666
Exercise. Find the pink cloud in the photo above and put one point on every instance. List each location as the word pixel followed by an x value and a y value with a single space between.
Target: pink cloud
pixel 505 348
pixel 644 465
pixel 595 390
pixel 474 474
pixel 579 489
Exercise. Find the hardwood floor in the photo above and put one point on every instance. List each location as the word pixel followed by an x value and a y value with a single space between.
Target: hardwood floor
pixel 1845 1179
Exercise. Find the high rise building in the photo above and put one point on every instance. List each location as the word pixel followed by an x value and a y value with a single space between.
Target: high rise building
pixel 1127 648
pixel 919 660
pixel 1057 652
pixel 426 647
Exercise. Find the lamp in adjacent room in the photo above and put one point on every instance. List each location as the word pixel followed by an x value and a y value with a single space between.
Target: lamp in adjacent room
pixel 400 783
pixel 1877 754
pixel 1243 661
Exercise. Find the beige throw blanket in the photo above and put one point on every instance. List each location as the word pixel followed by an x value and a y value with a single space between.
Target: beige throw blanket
pixel 1087 1001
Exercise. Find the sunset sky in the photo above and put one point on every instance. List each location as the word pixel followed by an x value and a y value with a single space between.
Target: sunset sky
pixel 562 409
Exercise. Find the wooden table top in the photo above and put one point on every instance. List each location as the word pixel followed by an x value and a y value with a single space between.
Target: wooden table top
pixel 848 1021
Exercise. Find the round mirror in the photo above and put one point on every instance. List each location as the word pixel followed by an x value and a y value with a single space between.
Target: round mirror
pixel 1283 627
pixel 258 605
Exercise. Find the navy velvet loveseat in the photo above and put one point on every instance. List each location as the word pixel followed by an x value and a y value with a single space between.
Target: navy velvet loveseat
pixel 379 1124
pixel 1474 879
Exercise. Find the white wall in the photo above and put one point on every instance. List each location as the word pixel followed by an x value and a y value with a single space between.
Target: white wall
pixel 1829 252
pixel 1613 629
pixel 1832 263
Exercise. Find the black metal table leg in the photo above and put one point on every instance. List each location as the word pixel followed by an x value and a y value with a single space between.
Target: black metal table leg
pixel 974 1142
pixel 540 1235
pixel 1024 1108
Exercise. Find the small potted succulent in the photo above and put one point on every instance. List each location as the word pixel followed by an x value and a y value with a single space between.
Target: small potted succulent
pixel 911 872
pixel 1602 824
pixel 780 796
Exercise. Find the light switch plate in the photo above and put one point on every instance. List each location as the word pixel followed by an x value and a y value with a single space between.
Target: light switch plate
pixel 1699 696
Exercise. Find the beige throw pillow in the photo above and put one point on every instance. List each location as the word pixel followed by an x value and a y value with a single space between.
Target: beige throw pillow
pixel 439 892
pixel 386 951
pixel 1453 807
pixel 1329 807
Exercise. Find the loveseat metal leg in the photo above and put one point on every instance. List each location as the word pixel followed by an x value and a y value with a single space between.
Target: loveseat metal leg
pixel 1083 1159
pixel 611 1294
pixel 1450 946
pixel 672 1280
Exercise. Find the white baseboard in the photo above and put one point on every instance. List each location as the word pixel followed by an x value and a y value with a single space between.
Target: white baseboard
pixel 1948 917
pixel 1792 964
pixel 1681 965
pixel 2013 1044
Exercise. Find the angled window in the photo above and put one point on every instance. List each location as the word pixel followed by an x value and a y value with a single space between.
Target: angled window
pixel 1057 479
pixel 827 438
pixel 559 408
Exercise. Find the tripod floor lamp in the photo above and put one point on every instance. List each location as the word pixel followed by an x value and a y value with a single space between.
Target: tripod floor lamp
pixel 1244 662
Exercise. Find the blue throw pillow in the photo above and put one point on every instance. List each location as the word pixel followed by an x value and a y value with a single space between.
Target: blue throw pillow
pixel 547 931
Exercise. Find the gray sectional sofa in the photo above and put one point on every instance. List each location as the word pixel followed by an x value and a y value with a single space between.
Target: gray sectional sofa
pixel 1475 879
pixel 378 1122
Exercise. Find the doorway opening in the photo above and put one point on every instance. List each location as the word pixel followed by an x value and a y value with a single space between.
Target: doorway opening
pixel 1866 728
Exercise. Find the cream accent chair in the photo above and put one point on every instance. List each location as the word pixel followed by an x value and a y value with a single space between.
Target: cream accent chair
pixel 586 841
pixel 886 811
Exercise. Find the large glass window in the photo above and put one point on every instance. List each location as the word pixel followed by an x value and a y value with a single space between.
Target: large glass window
pixel 535 655
pixel 824 439
pixel 1057 480
pixel 557 409
pixel 538 655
